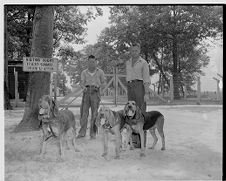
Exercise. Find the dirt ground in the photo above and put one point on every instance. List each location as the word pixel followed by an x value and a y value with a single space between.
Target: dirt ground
pixel 193 151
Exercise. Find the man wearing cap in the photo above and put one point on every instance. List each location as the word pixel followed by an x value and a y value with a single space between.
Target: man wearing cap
pixel 93 81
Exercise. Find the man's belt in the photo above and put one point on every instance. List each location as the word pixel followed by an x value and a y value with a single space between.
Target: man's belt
pixel 135 80
pixel 92 86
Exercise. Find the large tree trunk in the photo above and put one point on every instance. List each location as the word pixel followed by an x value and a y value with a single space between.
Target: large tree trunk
pixel 176 82
pixel 7 104
pixel 39 82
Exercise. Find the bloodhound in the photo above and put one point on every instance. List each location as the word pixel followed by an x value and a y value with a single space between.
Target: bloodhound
pixel 55 123
pixel 139 122
pixel 110 122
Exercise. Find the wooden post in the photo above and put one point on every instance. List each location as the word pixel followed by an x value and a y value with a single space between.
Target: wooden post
pixel 116 85
pixel 198 91
pixel 16 88
pixel 51 85
pixel 171 88
pixel 218 88
pixel 154 87
pixel 55 83
pixel 185 91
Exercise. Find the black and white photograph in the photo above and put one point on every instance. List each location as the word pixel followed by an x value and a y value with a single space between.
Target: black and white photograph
pixel 112 92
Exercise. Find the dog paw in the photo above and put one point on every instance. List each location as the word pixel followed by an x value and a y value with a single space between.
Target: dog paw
pixel 107 158
pixel 131 148
pixel 142 154
pixel 117 157
pixel 152 148
pixel 61 158
pixel 77 150
pixel 40 158
pixel 104 154
pixel 163 148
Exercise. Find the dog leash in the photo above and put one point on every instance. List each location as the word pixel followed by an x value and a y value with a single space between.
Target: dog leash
pixel 52 133
pixel 72 100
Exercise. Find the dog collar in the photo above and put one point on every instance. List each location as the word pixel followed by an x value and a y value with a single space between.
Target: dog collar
pixel 107 125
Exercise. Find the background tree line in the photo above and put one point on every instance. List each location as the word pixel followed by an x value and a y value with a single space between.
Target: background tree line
pixel 171 37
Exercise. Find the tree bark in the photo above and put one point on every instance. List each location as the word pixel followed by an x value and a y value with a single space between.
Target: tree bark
pixel 160 68
pixel 39 82
pixel 176 82
pixel 7 105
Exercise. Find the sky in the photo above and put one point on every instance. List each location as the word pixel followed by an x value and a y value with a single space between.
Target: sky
pixel 95 27
pixel 215 52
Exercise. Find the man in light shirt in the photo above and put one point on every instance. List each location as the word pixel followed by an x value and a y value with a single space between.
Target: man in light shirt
pixel 138 80
pixel 92 81
pixel 137 77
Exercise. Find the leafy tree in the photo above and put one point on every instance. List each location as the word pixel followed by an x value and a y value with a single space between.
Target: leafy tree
pixel 69 27
pixel 173 31
pixel 7 104
pixel 61 83
pixel 72 62
pixel 39 82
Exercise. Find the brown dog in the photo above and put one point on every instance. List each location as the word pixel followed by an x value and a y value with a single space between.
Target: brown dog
pixel 139 122
pixel 55 123
pixel 110 122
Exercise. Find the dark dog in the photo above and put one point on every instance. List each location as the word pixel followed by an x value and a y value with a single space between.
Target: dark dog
pixel 55 123
pixel 139 122
pixel 110 122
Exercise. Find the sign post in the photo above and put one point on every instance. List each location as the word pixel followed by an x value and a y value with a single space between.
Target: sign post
pixel 38 64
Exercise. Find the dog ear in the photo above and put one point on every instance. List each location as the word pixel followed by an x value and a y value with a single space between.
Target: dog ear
pixel 54 107
pixel 111 118
pixel 125 110
pixel 138 113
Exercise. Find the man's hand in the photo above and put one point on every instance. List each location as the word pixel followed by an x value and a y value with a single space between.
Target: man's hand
pixel 146 97
pixel 84 89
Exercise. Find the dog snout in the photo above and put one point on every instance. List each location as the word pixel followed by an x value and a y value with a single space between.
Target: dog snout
pixel 101 115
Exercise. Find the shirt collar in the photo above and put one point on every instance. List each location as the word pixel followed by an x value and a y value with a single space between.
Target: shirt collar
pixel 87 71
pixel 139 60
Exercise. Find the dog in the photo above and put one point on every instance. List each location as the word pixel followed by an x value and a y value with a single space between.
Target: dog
pixel 139 122
pixel 55 123
pixel 110 122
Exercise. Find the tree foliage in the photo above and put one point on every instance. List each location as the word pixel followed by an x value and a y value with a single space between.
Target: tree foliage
pixel 69 26
pixel 172 34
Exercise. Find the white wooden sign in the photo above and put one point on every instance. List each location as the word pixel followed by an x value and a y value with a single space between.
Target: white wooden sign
pixel 36 64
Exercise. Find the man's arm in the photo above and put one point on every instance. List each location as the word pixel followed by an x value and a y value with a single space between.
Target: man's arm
pixel 82 82
pixel 146 77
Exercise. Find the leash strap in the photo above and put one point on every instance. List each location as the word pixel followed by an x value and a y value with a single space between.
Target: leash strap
pixel 72 100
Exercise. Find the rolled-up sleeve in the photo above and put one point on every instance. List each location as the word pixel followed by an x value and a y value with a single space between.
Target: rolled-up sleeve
pixel 82 82
pixel 146 74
